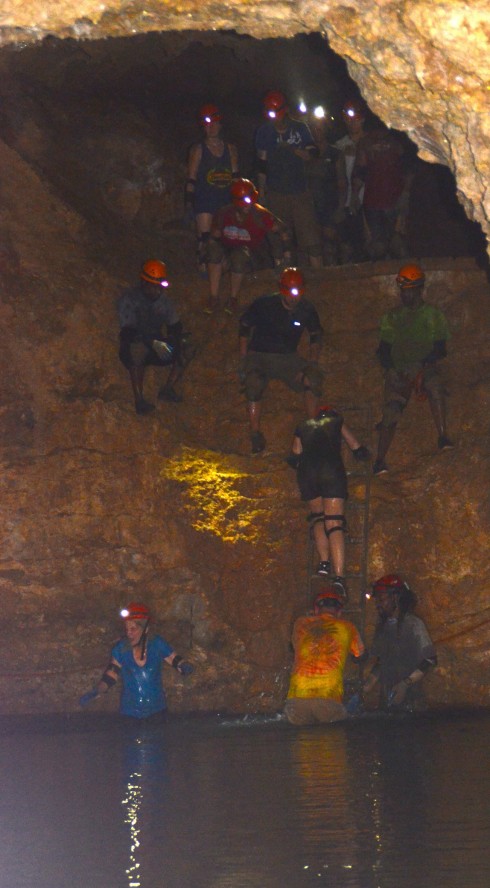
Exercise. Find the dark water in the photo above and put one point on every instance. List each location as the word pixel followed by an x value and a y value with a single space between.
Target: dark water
pixel 228 803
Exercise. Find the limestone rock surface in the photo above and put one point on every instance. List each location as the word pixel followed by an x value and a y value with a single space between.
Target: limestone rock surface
pixel 100 506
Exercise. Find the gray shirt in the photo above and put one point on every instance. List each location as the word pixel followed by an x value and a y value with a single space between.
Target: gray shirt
pixel 400 650
pixel 146 317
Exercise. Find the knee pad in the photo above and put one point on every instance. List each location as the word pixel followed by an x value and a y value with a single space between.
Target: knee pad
pixel 341 528
pixel 314 518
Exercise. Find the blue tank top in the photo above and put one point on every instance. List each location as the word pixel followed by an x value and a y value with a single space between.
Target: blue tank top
pixel 213 180
pixel 142 691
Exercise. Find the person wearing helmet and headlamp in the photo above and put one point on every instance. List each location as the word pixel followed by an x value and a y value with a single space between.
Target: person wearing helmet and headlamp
pixel 322 642
pixel 270 330
pixel 349 216
pixel 322 481
pixel 402 647
pixel 212 166
pixel 137 659
pixel 413 341
pixel 284 147
pixel 143 311
pixel 239 232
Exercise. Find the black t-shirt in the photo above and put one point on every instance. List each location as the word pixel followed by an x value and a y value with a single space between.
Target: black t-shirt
pixel 275 330
pixel 321 439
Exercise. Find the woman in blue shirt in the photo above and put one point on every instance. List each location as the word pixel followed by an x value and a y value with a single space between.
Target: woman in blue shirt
pixel 137 659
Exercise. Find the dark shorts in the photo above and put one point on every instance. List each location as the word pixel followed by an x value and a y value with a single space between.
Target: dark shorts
pixel 329 482
pixel 239 257
pixel 398 388
pixel 290 369
pixel 136 354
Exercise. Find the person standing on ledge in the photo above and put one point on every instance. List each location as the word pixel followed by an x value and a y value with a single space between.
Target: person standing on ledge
pixel 402 646
pixel 322 642
pixel 143 311
pixel 137 659
pixel 270 331
pixel 239 232
pixel 413 341
pixel 322 481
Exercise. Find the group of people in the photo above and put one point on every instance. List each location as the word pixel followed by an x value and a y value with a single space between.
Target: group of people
pixel 412 343
pixel 323 199
pixel 402 653
pixel 363 170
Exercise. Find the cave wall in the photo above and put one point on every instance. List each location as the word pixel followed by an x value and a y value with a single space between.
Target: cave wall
pixel 100 506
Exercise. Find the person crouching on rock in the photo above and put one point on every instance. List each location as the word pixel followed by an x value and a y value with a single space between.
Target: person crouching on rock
pixel 137 659
pixel 143 310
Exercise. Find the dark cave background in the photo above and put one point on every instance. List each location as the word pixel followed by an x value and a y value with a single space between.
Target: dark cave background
pixel 108 123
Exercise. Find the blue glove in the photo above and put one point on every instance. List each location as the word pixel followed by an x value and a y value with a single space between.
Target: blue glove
pixel 87 698
pixel 354 705
pixel 185 668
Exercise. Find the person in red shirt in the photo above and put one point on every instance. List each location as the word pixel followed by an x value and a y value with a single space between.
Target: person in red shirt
pixel 381 168
pixel 238 231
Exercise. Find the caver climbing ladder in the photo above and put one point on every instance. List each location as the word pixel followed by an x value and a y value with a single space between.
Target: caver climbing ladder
pixel 359 475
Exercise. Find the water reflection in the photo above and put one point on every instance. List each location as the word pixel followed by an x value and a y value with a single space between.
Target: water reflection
pixel 144 773
pixel 386 803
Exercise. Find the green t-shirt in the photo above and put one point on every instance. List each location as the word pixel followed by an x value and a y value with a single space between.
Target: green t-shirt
pixel 412 333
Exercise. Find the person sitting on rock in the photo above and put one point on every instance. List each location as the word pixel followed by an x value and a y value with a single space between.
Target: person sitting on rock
pixel 137 660
pixel 322 642
pixel 143 311
pixel 413 340
pixel 270 331
pixel 322 480
pixel 402 646
pixel 239 232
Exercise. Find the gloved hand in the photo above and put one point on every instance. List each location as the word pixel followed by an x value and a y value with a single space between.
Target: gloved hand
pixel 361 454
pixel 354 705
pixel 398 693
pixel 87 698
pixel 185 668
pixel 293 460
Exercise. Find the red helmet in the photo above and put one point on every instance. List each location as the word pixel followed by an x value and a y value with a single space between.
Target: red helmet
pixel 292 282
pixel 209 114
pixel 135 611
pixel 390 583
pixel 243 191
pixel 154 272
pixel 324 410
pixel 354 109
pixel 328 597
pixel 275 105
pixel 410 276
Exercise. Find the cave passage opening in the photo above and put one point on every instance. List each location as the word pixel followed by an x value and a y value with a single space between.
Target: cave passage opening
pixel 109 123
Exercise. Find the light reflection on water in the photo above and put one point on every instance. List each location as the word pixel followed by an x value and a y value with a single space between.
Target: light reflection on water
pixel 245 803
